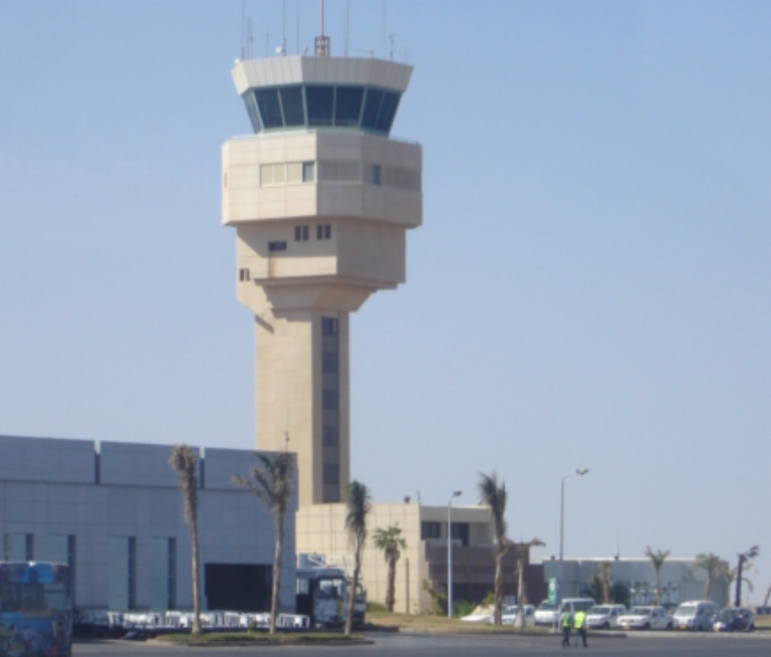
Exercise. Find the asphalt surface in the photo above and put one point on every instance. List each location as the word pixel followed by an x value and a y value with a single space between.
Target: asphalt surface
pixel 677 645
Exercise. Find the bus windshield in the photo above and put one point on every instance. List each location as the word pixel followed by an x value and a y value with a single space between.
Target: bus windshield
pixel 35 609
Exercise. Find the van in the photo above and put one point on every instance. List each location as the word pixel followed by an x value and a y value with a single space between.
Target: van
pixel 695 615
pixel 572 605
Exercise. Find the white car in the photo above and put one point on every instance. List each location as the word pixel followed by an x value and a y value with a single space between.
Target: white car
pixel 646 618
pixel 604 617
pixel 509 616
pixel 546 613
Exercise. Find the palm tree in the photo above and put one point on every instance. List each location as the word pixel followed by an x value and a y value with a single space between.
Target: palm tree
pixel 730 575
pixel 389 540
pixel 744 557
pixel 522 551
pixel 358 503
pixel 606 571
pixel 766 599
pixel 493 496
pixel 183 462
pixel 657 557
pixel 271 481
pixel 711 564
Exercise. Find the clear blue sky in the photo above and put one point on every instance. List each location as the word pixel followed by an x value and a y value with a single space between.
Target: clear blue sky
pixel 591 286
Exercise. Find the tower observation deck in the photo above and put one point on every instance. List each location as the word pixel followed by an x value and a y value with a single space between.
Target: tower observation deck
pixel 321 199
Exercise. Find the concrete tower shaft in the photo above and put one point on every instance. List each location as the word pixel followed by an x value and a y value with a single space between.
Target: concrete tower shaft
pixel 321 199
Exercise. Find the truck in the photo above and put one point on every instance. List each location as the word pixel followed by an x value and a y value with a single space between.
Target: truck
pixel 322 592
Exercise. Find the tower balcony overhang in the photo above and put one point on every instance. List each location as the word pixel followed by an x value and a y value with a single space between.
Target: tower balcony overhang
pixel 335 293
pixel 317 174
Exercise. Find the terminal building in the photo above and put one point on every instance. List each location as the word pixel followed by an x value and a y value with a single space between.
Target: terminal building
pixel 113 512
pixel 681 580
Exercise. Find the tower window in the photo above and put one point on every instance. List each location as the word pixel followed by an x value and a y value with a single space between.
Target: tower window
pixel 331 473
pixel 329 362
pixel 328 326
pixel 301 233
pixel 323 231
pixel 376 174
pixel 330 437
pixel 329 399
pixel 243 275
pixel 309 171
pixel 276 246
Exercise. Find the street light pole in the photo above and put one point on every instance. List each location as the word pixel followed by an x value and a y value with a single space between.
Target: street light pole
pixel 578 473
pixel 456 493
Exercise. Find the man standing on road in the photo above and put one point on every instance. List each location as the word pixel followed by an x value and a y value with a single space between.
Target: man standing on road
pixel 579 623
pixel 566 620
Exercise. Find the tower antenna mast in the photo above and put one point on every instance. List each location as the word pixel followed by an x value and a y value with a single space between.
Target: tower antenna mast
pixel 283 27
pixel 322 42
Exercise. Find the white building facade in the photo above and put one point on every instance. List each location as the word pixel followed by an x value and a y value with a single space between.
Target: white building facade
pixel 113 512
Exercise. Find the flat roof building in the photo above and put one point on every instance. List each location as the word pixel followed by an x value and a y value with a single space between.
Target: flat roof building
pixel 113 512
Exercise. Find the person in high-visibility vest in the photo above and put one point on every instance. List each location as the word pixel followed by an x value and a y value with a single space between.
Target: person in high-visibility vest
pixel 579 624
pixel 566 621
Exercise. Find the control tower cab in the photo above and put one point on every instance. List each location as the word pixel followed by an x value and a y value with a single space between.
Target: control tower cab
pixel 321 199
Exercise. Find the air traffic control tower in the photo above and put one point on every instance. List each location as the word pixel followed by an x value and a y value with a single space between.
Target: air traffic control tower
pixel 321 199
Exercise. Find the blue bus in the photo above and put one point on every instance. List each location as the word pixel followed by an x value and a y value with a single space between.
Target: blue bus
pixel 35 609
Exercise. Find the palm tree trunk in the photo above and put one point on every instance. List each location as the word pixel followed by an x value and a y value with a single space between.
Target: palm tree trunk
pixel 708 586
pixel 352 592
pixel 196 629
pixel 520 593
pixel 658 586
pixel 498 586
pixel 278 548
pixel 738 599
pixel 391 592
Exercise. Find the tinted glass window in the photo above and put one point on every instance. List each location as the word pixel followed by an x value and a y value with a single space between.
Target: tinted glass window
pixel 348 105
pixel 292 103
pixel 321 102
pixel 371 108
pixel 270 111
pixel 387 111
pixel 251 108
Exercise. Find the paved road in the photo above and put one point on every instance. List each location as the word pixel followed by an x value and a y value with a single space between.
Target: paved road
pixel 467 646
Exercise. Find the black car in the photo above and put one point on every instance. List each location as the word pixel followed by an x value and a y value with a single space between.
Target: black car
pixel 734 620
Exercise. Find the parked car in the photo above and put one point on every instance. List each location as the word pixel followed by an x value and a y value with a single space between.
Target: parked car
pixel 479 616
pixel 604 617
pixel 545 613
pixel 509 616
pixel 646 618
pixel 695 615
pixel 734 620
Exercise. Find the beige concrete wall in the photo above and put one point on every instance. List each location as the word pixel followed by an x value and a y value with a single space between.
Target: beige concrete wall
pixel 320 528
pixel 288 402
pixel 244 199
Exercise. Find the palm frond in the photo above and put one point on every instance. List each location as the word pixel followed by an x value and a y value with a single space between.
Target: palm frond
pixel 494 495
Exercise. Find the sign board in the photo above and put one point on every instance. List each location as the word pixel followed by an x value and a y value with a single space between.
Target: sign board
pixel 552 591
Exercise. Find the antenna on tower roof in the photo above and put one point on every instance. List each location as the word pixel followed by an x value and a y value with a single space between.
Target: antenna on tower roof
pixel 322 42
pixel 385 29
pixel 283 27
pixel 243 29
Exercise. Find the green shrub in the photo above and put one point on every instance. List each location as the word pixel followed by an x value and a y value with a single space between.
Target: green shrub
pixel 375 606
pixel 438 599
pixel 462 608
